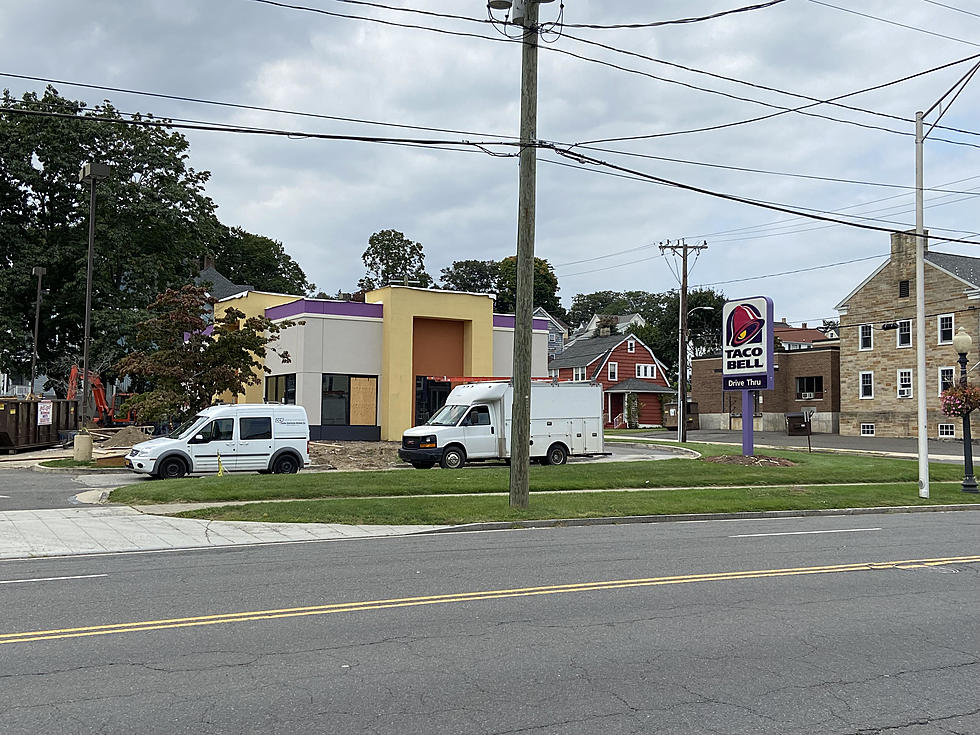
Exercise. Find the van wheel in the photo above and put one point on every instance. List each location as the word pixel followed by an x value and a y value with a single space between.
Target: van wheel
pixel 172 469
pixel 453 458
pixel 557 454
pixel 285 464
pixel 423 465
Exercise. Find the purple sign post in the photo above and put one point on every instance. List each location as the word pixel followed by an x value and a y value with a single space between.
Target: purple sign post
pixel 747 356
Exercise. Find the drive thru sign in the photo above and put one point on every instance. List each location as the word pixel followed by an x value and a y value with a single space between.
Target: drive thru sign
pixel 747 356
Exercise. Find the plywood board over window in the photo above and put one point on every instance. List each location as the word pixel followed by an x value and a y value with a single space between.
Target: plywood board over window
pixel 363 401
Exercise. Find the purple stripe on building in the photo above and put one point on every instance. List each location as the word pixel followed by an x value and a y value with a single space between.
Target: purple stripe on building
pixel 333 308
pixel 506 321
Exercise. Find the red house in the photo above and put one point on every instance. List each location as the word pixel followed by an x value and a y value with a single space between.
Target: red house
pixel 622 365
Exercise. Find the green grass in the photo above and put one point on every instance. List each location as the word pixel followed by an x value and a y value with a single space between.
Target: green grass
pixel 811 469
pixel 67 463
pixel 459 510
pixel 630 432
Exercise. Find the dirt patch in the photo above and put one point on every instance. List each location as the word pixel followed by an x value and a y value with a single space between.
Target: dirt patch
pixel 125 437
pixel 355 455
pixel 755 460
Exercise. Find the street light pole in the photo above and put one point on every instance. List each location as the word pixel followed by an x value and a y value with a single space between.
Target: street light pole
pixel 39 272
pixel 89 174
pixel 962 343
pixel 922 420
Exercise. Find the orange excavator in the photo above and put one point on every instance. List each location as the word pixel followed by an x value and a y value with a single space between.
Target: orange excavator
pixel 106 415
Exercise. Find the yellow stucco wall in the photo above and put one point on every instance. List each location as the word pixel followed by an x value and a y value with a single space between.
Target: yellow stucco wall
pixel 251 303
pixel 401 306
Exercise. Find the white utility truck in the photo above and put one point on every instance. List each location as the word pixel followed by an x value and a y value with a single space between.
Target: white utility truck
pixel 475 425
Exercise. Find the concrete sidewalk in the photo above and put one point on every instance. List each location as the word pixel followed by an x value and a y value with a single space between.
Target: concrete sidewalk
pixel 106 529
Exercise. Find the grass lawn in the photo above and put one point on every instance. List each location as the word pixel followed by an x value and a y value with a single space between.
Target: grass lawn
pixel 811 469
pixel 67 463
pixel 458 510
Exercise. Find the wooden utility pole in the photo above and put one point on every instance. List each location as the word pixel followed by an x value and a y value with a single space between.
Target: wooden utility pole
pixel 683 248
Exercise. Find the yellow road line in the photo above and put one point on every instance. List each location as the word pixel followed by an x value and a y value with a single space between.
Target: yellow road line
pixel 290 612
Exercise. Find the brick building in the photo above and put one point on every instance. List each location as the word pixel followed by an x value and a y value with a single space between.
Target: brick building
pixel 877 332
pixel 804 381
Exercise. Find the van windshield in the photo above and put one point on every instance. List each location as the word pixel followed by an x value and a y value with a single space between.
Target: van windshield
pixel 184 430
pixel 447 416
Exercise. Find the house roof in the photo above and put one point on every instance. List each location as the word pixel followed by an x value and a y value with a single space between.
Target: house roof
pixel 788 333
pixel 585 351
pixel 636 385
pixel 964 267
pixel 221 287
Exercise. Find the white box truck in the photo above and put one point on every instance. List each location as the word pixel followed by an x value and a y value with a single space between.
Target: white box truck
pixel 475 425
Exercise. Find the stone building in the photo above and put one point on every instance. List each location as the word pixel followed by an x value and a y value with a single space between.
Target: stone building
pixel 877 337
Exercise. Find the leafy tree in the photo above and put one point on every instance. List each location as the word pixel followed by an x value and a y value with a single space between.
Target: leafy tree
pixel 185 359
pixel 153 222
pixel 475 276
pixel 584 306
pixel 608 321
pixel 545 287
pixel 393 258
pixel 261 262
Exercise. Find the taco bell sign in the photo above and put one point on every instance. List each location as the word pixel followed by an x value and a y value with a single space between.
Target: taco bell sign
pixel 747 344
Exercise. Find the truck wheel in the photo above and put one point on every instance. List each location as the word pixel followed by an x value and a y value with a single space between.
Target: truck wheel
pixel 453 458
pixel 423 465
pixel 285 464
pixel 557 454
pixel 172 469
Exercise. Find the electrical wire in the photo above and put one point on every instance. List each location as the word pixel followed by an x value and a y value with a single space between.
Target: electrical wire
pixel 895 23
pixel 952 7
pixel 678 21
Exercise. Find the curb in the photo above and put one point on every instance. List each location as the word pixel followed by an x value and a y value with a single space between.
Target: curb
pixel 80 470
pixel 688 517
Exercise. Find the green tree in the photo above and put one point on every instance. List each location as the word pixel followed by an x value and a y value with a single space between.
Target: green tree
pixel 184 359
pixel 153 223
pixel 391 258
pixel 545 287
pixel 260 262
pixel 584 306
pixel 474 276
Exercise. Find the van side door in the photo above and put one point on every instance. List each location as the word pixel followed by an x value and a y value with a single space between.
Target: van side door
pixel 216 439
pixel 478 433
pixel 254 442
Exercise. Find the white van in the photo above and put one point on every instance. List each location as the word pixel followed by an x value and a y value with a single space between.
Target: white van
pixel 475 424
pixel 244 437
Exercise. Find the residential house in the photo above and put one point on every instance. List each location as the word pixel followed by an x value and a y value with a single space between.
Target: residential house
pixel 557 332
pixel 623 366
pixel 878 355
pixel 798 338
pixel 622 323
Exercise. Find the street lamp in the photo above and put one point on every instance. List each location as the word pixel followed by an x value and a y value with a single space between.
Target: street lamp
pixel 962 344
pixel 90 173
pixel 39 272
pixel 682 375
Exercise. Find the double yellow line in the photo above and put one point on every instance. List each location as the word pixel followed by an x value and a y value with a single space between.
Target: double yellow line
pixel 292 612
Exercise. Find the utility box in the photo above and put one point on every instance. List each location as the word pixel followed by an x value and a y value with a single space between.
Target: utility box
pixel 797 424
pixel 32 424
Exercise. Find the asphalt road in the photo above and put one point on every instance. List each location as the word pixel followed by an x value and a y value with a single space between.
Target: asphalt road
pixel 25 489
pixel 656 628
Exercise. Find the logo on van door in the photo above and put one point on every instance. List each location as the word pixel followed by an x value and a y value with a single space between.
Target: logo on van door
pixel 288 422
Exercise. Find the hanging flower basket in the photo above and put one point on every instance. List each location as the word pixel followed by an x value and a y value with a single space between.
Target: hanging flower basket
pixel 960 400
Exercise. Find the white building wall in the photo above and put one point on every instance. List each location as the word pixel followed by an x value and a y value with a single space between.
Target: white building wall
pixel 503 352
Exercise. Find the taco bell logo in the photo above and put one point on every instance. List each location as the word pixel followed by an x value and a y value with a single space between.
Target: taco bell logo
pixel 747 342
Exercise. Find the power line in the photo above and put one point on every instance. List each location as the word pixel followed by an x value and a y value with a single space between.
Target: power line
pixel 792 272
pixel 952 7
pixel 895 23
pixel 678 21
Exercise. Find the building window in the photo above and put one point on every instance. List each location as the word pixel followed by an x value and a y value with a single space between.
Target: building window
pixel 947 430
pixel 945 329
pixel 867 384
pixel 904 383
pixel 809 388
pixel 905 333
pixel 903 289
pixel 867 429
pixel 280 389
pixel 945 378
pixel 866 338
pixel 579 374
pixel 613 372
pixel 553 374
pixel 646 371
pixel 631 346
pixel 348 400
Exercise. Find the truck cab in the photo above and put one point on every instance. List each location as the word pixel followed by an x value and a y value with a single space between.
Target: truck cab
pixel 471 428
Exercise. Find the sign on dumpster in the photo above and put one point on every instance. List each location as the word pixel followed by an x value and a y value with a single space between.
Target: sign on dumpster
pixel 747 344
pixel 44 412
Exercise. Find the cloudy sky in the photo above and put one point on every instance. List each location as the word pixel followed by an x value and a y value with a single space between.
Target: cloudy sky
pixel 599 227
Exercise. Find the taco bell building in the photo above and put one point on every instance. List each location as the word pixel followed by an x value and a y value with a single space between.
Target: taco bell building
pixel 368 371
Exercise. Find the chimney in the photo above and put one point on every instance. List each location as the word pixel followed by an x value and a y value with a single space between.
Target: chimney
pixel 604 331
pixel 804 326
pixel 903 245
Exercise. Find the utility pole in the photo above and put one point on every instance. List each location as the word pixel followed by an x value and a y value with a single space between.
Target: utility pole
pixel 39 272
pixel 90 173
pixel 683 248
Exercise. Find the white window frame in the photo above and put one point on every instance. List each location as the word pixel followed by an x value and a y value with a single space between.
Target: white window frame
pixel 952 377
pixel 900 383
pixel 631 346
pixel 646 370
pixel 898 334
pixel 861 385
pixel 612 371
pixel 939 328
pixel 951 428
pixel 579 374
pixel 553 374
pixel 871 338
pixel 867 429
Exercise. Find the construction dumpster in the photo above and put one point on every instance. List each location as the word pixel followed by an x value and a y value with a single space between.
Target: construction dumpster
pixel 30 424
